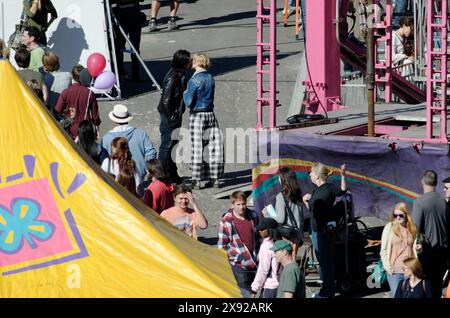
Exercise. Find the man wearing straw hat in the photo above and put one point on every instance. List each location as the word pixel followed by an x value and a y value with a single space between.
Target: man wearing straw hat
pixel 141 146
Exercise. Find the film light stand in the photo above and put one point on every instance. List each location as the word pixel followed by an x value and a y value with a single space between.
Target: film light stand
pixel 135 52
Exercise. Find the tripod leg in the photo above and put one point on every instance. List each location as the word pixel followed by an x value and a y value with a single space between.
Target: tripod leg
pixel 136 53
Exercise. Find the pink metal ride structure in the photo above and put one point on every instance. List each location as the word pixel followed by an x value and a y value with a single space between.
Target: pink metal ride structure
pixel 437 102
pixel 323 60
pixel 266 60
pixel 383 66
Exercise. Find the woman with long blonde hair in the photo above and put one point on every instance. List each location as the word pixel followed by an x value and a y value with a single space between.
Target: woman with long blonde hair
pixel 396 244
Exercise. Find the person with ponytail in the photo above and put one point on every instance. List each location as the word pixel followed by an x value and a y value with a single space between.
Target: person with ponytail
pixel 396 244
pixel 120 159
pixel 128 181
pixel 320 203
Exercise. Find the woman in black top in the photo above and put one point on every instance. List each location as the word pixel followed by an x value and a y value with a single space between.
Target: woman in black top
pixel 320 204
pixel 414 285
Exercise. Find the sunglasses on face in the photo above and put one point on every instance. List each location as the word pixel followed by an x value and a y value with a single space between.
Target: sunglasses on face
pixel 401 216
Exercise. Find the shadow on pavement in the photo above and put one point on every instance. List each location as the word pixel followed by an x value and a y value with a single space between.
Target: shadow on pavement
pixel 159 68
pixel 209 240
pixel 237 177
pixel 221 19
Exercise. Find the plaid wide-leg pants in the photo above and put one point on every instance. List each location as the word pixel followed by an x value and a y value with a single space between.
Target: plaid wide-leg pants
pixel 207 157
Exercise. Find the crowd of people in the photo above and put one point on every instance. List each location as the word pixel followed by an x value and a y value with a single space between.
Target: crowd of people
pixel 71 101
pixel 416 244
pixel 415 247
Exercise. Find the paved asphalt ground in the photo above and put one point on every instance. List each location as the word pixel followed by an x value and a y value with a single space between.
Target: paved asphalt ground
pixel 226 31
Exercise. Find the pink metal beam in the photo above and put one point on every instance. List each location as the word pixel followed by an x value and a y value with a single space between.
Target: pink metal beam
pixel 273 65
pixel 323 57
pixel 266 65
pixel 430 12
pixel 259 75
pixel 385 37
pixel 437 103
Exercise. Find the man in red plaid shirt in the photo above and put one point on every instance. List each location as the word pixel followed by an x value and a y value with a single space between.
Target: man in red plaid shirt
pixel 239 238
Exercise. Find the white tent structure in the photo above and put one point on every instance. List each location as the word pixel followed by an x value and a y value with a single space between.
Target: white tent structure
pixel 82 28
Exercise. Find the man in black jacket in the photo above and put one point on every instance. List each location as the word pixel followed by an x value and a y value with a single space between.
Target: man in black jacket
pixel 171 108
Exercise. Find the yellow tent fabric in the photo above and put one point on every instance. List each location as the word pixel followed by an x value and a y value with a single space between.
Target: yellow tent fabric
pixel 67 230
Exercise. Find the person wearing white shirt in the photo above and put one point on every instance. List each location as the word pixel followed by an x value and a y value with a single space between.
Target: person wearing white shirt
pixel 398 40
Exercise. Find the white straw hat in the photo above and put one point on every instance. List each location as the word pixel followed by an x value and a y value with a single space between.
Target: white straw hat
pixel 120 114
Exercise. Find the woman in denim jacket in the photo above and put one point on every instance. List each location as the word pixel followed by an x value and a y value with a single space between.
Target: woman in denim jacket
pixel 199 99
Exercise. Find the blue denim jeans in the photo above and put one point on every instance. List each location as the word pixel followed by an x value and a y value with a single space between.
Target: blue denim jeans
pixel 165 149
pixel 269 293
pixel 302 4
pixel 402 8
pixel 393 281
pixel 244 280
pixel 325 251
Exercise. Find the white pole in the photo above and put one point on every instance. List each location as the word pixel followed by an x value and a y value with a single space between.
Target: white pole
pixel 3 22
pixel 113 47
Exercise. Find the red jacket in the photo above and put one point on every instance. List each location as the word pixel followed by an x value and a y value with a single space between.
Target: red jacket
pixel 158 196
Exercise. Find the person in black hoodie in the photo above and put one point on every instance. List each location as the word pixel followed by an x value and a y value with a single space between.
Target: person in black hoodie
pixel 171 108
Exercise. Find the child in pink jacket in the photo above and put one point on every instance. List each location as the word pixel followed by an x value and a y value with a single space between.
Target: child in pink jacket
pixel 267 273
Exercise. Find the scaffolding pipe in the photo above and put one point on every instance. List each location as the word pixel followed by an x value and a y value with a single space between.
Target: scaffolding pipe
pixel 370 72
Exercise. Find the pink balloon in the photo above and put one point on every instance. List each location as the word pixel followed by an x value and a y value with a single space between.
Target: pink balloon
pixel 96 63
pixel 105 81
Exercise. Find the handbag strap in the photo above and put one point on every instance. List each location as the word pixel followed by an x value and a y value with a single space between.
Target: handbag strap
pixel 88 108
pixel 22 17
pixel 289 212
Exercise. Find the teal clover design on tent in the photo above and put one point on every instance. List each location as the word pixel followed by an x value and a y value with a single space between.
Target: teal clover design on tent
pixel 21 226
